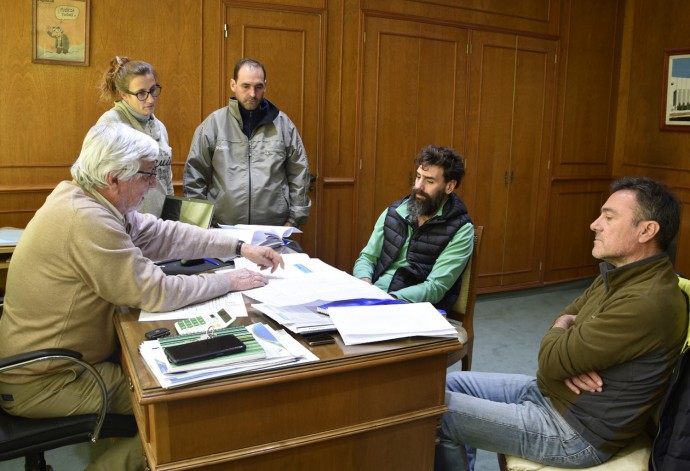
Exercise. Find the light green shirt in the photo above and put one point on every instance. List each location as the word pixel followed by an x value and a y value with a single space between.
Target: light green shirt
pixel 448 267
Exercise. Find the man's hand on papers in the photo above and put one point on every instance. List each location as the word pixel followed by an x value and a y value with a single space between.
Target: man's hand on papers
pixel 243 279
pixel 265 257
pixel 366 280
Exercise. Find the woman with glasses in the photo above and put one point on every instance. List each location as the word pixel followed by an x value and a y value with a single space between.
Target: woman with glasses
pixel 133 87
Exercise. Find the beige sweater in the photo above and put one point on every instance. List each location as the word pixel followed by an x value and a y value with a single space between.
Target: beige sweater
pixel 79 258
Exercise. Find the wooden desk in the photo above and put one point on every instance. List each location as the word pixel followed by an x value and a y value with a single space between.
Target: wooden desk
pixel 366 407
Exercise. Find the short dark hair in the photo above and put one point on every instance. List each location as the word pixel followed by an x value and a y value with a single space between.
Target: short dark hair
pixel 445 157
pixel 656 203
pixel 251 62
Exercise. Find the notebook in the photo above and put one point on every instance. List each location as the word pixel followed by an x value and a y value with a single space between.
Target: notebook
pixel 190 210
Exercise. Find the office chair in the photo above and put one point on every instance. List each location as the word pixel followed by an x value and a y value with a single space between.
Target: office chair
pixel 461 315
pixel 30 438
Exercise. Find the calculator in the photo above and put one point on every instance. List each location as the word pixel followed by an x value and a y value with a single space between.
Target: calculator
pixel 201 324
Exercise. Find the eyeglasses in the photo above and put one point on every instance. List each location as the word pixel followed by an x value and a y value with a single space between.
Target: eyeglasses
pixel 150 176
pixel 143 95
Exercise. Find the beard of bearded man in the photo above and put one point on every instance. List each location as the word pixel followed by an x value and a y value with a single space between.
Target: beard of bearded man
pixel 428 206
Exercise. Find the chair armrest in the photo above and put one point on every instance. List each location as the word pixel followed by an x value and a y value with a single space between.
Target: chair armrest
pixel 24 359
pixel 15 361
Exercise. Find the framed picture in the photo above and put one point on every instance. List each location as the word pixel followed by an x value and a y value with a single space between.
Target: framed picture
pixel 60 33
pixel 675 99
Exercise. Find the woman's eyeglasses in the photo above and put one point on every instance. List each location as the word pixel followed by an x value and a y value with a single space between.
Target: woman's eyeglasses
pixel 143 95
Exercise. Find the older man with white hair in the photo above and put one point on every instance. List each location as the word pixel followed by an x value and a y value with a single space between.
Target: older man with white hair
pixel 86 251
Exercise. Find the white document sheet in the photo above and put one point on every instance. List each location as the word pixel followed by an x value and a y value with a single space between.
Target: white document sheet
pixel 233 303
pixel 323 287
pixel 305 280
pixel 364 324
pixel 297 265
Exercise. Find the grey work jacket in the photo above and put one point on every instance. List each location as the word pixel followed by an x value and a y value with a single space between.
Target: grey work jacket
pixel 261 180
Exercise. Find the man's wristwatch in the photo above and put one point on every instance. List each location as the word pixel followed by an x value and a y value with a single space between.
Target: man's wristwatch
pixel 238 249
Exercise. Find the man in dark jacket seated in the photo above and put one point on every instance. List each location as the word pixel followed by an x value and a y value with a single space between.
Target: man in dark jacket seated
pixel 421 243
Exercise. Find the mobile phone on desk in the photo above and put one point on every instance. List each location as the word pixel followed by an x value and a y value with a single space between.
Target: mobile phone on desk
pixel 318 339
pixel 201 324
pixel 204 349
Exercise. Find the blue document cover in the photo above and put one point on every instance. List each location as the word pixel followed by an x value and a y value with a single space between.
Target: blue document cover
pixel 323 309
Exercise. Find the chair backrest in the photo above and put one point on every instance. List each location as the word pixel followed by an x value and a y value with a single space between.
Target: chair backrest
pixel 29 438
pixel 684 285
pixel 463 309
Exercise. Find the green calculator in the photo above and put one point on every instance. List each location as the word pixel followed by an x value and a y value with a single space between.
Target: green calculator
pixel 201 324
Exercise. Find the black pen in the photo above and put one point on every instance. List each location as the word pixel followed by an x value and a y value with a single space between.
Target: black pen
pixel 209 260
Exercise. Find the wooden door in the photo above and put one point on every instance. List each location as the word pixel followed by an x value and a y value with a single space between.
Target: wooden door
pixel 290 45
pixel 531 149
pixel 413 94
pixel 509 137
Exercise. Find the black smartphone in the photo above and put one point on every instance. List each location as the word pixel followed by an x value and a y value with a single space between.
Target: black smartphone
pixel 157 333
pixel 318 339
pixel 204 349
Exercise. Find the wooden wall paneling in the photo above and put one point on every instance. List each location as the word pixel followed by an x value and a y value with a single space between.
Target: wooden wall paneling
pixel 169 39
pixel 490 122
pixel 574 205
pixel 413 95
pixel 647 151
pixel 588 78
pixel 512 86
pixel 336 240
pixel 294 75
pixel 532 16
pixel 47 109
pixel 531 149
pixel 339 163
pixel 42 114
pixel 178 32
pixel 214 76
pixel 644 150
pixel 17 206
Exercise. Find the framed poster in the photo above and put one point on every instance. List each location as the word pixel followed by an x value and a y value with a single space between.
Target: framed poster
pixel 60 33
pixel 675 97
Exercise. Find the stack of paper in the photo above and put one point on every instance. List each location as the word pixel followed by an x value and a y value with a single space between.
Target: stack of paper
pixel 300 319
pixel 280 348
pixel 254 351
pixel 363 324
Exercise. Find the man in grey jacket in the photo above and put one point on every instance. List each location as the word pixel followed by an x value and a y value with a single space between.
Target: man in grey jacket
pixel 248 158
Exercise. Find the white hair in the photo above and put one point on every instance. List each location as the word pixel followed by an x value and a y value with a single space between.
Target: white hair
pixel 112 149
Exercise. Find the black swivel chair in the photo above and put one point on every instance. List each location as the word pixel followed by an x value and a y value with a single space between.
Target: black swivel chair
pixel 30 438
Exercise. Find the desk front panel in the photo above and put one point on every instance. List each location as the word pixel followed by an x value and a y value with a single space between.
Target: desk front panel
pixel 354 397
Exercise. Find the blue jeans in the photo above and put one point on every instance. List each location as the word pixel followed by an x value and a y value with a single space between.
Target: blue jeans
pixel 506 413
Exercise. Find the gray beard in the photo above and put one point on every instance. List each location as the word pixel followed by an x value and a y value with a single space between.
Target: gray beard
pixel 426 207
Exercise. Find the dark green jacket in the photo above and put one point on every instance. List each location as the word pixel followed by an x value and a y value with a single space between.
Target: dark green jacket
pixel 630 327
